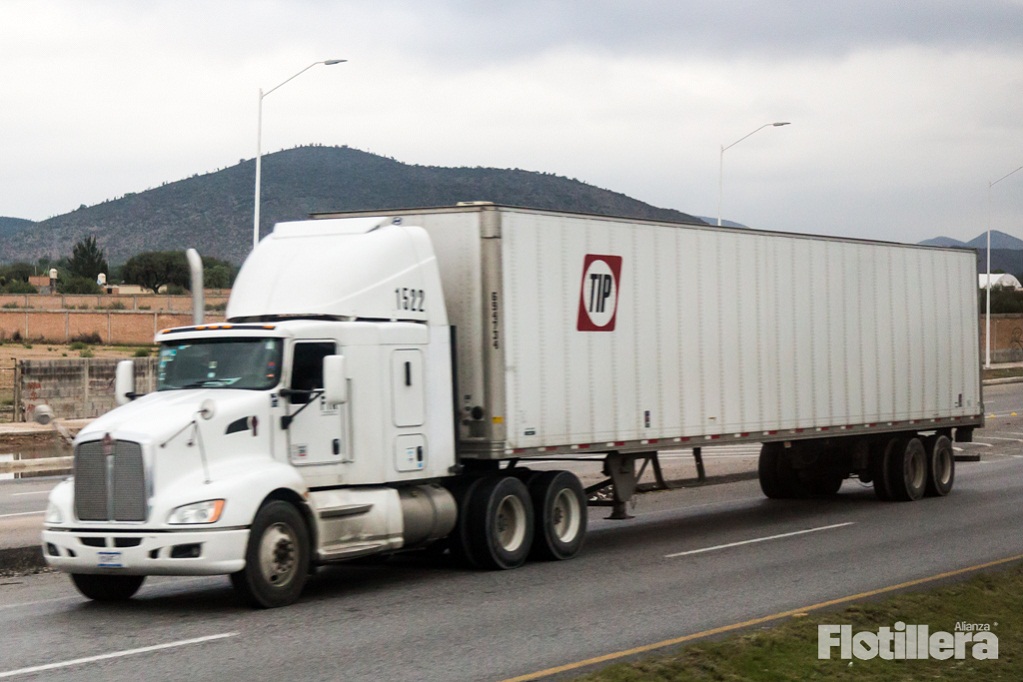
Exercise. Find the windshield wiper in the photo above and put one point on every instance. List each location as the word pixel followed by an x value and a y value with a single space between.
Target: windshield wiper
pixel 205 383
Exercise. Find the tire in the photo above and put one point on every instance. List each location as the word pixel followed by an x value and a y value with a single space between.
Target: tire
pixel 107 587
pixel 458 542
pixel 559 513
pixel 941 466
pixel 277 557
pixel 823 481
pixel 879 466
pixel 906 468
pixel 499 524
pixel 778 480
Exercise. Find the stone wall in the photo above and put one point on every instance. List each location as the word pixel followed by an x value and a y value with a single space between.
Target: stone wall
pixel 74 388
pixel 215 299
pixel 112 327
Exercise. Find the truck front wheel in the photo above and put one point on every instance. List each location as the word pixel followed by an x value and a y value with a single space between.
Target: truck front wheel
pixel 107 587
pixel 277 557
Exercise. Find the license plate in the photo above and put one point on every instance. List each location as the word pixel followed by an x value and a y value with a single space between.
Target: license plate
pixel 109 560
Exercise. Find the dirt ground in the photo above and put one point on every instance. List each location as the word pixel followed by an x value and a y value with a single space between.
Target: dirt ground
pixel 11 352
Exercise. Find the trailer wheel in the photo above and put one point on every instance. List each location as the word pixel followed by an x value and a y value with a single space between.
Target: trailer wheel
pixel 559 512
pixel 500 523
pixel 941 470
pixel 879 455
pixel 778 479
pixel 107 587
pixel 906 467
pixel 277 557
pixel 824 481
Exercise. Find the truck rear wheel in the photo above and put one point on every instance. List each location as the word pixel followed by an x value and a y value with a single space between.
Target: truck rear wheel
pixel 499 523
pixel 559 512
pixel 940 466
pixel 107 587
pixel 277 557
pixel 906 469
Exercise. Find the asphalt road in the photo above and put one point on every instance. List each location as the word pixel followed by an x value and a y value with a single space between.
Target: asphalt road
pixel 690 561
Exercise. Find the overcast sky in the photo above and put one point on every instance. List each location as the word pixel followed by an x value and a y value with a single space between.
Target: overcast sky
pixel 902 112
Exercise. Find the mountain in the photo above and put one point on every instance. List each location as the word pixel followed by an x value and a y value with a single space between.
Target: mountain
pixel 999 240
pixel 943 242
pixel 12 226
pixel 724 222
pixel 213 212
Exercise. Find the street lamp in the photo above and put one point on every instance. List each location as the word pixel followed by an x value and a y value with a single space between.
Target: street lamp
pixel 721 164
pixel 987 312
pixel 259 141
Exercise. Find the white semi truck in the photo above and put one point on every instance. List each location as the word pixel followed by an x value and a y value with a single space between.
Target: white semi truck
pixel 383 381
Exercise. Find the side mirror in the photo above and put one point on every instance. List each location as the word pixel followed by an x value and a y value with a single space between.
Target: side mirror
pixel 124 382
pixel 335 380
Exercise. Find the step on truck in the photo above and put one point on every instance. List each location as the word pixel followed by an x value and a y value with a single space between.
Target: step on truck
pixel 384 382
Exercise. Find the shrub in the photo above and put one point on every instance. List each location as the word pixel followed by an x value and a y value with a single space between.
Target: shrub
pixel 19 287
pixel 78 285
pixel 92 339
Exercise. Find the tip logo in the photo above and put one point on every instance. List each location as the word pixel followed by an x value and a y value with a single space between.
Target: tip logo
pixel 598 295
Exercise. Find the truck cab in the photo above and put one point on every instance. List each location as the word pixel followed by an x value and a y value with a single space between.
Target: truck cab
pixel 313 426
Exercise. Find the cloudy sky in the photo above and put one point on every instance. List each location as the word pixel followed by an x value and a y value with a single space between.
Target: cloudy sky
pixel 901 113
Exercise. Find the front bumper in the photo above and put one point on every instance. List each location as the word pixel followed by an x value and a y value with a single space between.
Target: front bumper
pixel 186 552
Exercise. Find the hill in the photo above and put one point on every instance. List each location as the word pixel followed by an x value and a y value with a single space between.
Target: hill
pixel 12 226
pixel 213 212
pixel 943 242
pixel 999 241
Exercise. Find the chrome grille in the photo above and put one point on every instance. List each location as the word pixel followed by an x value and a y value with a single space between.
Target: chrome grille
pixel 113 490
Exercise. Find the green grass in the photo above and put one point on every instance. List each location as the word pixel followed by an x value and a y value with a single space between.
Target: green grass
pixel 787 651
pixel 1003 373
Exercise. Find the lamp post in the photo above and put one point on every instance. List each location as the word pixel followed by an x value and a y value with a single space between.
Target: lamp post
pixel 259 141
pixel 987 311
pixel 721 163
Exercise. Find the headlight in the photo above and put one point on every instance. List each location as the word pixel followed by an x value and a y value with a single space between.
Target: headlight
pixel 53 514
pixel 198 512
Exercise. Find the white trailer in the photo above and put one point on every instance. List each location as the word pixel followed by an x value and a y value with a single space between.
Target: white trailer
pixel 384 380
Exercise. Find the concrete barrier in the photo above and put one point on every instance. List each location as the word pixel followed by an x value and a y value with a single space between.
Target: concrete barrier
pixel 54 465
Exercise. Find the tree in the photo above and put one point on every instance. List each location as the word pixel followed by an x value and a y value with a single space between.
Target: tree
pixel 218 274
pixel 78 285
pixel 87 260
pixel 154 269
pixel 16 272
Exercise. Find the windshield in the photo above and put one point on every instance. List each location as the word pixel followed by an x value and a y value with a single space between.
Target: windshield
pixel 251 363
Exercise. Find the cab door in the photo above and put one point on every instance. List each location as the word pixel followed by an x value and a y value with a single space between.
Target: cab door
pixel 315 432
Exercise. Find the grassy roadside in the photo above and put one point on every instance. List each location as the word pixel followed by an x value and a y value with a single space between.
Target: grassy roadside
pixel 1002 373
pixel 788 651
